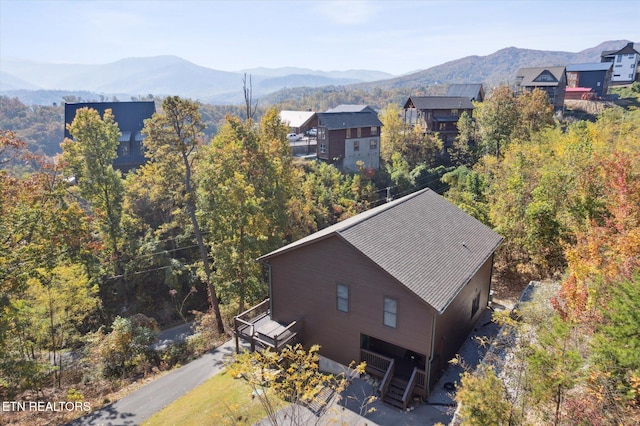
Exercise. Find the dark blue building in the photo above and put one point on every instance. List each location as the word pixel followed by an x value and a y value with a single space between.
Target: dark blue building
pixel 595 76
pixel 129 116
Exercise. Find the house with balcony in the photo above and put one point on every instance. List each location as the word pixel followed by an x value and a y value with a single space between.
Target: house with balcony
pixel 348 137
pixel 129 116
pixel 399 286
pixel 438 114
pixel 625 64
pixel 551 80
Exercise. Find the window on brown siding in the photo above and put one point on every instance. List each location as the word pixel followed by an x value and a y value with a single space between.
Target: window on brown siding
pixel 348 133
pixel 390 312
pixel 374 131
pixel 342 298
pixel 359 132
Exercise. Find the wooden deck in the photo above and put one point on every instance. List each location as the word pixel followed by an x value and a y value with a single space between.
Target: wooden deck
pixel 256 327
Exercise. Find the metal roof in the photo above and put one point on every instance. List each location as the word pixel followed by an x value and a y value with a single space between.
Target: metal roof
pixel 471 91
pixel 296 118
pixel 129 116
pixel 597 66
pixel 351 108
pixel 423 241
pixel 348 120
pixel 438 102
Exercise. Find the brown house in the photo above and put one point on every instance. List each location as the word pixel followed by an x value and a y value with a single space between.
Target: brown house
pixel 399 286
pixel 438 114
pixel 551 80
pixel 347 136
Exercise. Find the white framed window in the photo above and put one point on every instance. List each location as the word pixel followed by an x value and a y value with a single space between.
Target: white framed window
pixel 390 312
pixel 348 133
pixel 454 112
pixel 374 130
pixel 356 146
pixel 342 298
pixel 359 132
pixel 323 148
pixel 373 144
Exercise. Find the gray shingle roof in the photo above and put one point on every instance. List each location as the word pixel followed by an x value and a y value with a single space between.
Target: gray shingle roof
pixel 423 241
pixel 348 120
pixel 439 102
pixel 529 75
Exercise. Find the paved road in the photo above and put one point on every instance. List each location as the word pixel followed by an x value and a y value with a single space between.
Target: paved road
pixel 141 404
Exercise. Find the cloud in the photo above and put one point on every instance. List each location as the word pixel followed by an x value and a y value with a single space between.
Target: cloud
pixel 347 12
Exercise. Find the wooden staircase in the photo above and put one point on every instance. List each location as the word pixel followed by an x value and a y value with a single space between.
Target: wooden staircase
pixel 395 393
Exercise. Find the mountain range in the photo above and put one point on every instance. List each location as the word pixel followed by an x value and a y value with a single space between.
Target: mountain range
pixel 44 83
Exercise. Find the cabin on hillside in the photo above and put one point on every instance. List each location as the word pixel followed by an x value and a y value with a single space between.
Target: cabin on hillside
pixel 399 286
pixel 348 137
pixel 625 64
pixel 551 80
pixel 438 114
pixel 129 117
pixel 588 81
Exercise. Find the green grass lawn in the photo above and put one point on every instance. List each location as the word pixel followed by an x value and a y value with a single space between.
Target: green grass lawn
pixel 221 400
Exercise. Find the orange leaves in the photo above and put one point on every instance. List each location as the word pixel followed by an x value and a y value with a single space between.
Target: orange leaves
pixel 609 248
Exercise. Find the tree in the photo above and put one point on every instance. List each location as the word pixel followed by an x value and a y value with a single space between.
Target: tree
pixel 617 346
pixel 174 137
pixel 497 117
pixel 126 345
pixel 245 187
pixel 481 398
pixel 60 301
pixel 464 151
pixel 294 376
pixel 88 158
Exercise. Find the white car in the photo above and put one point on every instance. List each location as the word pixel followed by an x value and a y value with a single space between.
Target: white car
pixel 294 137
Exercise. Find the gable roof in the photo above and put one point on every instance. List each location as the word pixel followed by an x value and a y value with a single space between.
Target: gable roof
pixel 426 243
pixel 438 102
pixel 471 91
pixel 348 120
pixel 351 108
pixel 536 76
pixel 596 66
pixel 629 49
pixel 296 118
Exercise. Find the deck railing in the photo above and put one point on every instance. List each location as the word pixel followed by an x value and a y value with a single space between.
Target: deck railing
pixel 408 392
pixel 285 337
pixel 421 383
pixel 243 323
pixel 386 380
pixel 376 364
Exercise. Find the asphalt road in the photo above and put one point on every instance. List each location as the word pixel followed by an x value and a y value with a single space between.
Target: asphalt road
pixel 141 404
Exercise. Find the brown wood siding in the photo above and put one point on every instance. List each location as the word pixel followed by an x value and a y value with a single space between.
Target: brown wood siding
pixel 455 324
pixel 335 143
pixel 304 288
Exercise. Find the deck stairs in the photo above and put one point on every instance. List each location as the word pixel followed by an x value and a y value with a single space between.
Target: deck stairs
pixel 395 393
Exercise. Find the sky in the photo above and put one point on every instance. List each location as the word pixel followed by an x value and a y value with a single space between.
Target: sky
pixel 391 36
